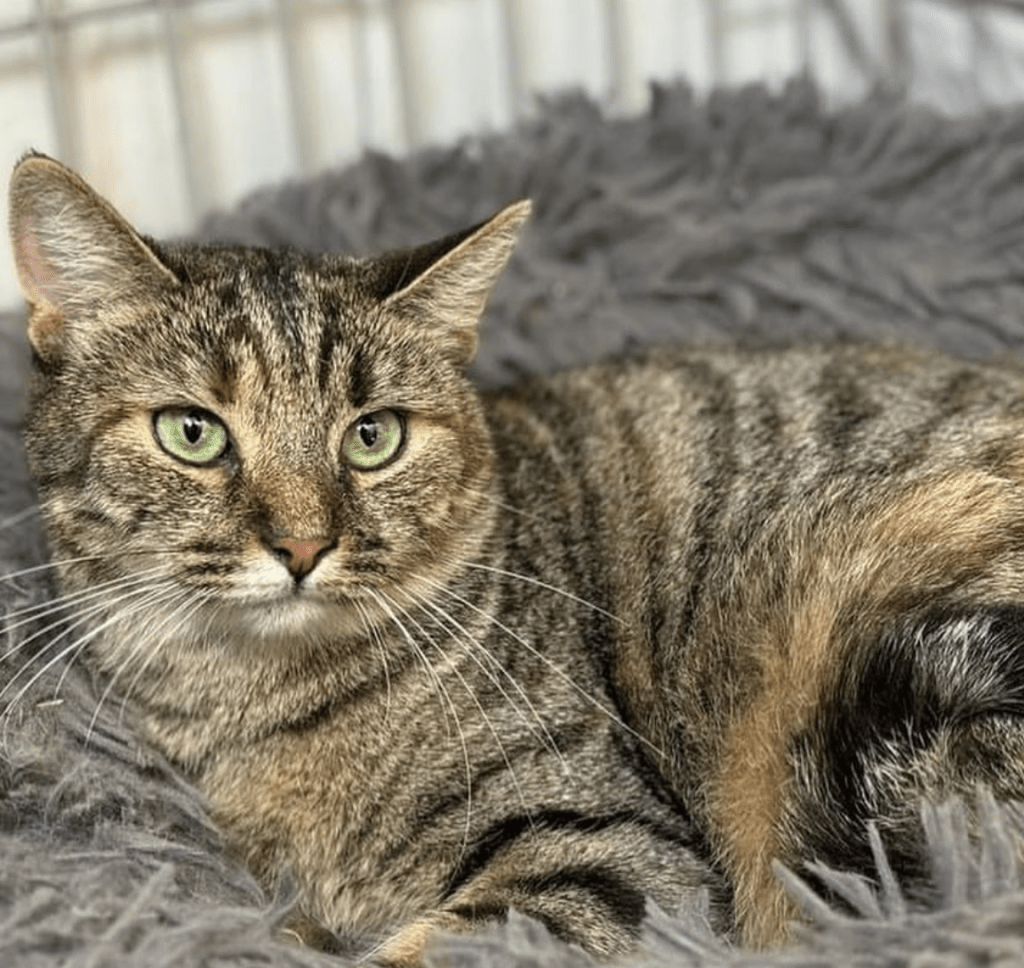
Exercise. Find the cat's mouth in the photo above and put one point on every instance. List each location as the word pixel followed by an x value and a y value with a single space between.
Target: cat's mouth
pixel 297 612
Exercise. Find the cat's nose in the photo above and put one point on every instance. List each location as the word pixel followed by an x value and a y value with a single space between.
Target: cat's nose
pixel 300 555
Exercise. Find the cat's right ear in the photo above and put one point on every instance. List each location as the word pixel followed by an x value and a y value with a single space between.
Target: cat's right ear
pixel 441 287
pixel 72 250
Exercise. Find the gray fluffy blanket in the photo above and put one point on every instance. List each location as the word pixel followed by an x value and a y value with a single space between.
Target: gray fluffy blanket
pixel 749 217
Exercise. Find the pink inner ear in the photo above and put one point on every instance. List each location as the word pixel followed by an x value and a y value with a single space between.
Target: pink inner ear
pixel 40 282
pixel 38 276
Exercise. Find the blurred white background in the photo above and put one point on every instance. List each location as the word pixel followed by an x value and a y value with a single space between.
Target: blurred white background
pixel 174 107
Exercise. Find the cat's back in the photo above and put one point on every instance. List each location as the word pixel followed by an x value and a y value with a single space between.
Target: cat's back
pixel 761 427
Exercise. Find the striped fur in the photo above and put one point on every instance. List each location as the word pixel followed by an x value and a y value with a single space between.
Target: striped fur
pixel 629 632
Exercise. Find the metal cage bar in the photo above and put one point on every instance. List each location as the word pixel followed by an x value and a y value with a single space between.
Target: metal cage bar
pixel 192 160
pixel 60 111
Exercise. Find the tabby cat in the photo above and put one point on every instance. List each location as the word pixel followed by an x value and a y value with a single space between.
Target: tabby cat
pixel 631 632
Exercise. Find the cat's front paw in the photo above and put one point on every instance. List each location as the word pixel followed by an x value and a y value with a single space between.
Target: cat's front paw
pixel 299 929
pixel 405 949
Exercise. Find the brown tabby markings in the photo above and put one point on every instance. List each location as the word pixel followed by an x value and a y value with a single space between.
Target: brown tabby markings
pixel 935 535
pixel 628 632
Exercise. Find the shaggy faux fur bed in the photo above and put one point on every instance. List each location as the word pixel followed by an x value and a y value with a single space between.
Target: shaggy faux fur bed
pixel 749 216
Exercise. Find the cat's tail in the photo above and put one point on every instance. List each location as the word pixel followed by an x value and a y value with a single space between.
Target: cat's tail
pixel 931 709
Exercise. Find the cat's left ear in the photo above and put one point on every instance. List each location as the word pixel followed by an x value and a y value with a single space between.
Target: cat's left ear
pixel 73 251
pixel 444 285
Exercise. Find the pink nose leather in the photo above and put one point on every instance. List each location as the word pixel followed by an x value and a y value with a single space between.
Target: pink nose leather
pixel 300 556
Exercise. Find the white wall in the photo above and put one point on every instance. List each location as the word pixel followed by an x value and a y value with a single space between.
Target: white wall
pixel 171 107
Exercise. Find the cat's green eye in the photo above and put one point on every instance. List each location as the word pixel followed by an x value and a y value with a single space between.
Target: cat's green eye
pixel 194 436
pixel 373 440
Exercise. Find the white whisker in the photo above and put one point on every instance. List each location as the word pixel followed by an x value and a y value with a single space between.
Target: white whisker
pixel 442 691
pixel 531 721
pixel 374 634
pixel 497 502
pixel 32 613
pixel 564 676
pixel 541 584
pixel 19 517
pixel 149 598
pixel 175 597
pixel 57 562
pixel 59 606
pixel 388 606
pixel 74 649
pixel 49 565
pixel 487 720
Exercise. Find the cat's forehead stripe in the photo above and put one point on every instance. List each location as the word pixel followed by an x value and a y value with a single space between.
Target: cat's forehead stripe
pixel 289 303
pixel 360 378
pixel 252 333
pixel 331 313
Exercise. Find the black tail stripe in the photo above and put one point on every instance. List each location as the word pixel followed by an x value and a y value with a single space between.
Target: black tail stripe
pixel 504 832
pixel 476 913
pixel 624 903
pixel 930 673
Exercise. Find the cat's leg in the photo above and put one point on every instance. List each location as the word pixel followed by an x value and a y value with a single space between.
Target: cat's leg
pixel 569 912
pixel 586 879
pixel 405 948
pixel 603 918
pixel 300 929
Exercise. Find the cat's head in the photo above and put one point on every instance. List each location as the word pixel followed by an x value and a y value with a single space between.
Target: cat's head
pixel 236 445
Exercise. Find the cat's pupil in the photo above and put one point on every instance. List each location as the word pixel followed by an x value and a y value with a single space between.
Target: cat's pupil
pixel 192 428
pixel 368 432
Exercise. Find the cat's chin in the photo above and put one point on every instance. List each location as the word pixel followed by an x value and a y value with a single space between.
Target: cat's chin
pixel 286 619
